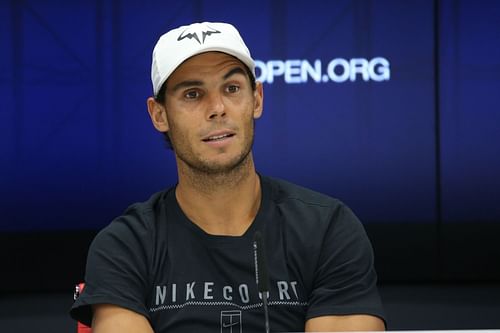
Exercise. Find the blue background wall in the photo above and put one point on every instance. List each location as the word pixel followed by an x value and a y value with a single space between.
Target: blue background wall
pixel 412 155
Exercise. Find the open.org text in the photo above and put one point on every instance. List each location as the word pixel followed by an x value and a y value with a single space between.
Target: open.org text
pixel 336 70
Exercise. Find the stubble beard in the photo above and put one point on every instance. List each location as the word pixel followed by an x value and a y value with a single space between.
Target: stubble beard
pixel 206 173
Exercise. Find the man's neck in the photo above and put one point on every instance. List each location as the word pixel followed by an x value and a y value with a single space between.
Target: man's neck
pixel 220 204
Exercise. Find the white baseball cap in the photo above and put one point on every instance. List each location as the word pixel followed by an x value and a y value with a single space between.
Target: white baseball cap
pixel 179 44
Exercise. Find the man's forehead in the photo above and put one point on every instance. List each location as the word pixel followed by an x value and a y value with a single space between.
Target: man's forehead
pixel 211 58
pixel 217 63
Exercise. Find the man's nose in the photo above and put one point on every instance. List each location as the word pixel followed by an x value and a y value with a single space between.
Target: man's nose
pixel 216 107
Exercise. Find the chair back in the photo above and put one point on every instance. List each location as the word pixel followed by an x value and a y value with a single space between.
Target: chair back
pixel 80 327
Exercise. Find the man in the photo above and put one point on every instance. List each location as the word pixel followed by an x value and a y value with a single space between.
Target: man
pixel 183 261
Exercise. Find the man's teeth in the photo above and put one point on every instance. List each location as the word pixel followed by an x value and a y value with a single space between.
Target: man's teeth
pixel 218 137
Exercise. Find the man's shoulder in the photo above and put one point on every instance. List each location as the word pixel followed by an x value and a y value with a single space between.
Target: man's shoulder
pixel 141 215
pixel 151 204
pixel 309 211
pixel 286 191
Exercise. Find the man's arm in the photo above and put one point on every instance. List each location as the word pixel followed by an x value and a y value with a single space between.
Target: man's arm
pixel 110 318
pixel 345 323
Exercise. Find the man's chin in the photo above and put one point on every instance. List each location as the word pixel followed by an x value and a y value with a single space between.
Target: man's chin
pixel 223 165
pixel 220 167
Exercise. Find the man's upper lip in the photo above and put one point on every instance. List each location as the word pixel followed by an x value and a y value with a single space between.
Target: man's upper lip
pixel 217 133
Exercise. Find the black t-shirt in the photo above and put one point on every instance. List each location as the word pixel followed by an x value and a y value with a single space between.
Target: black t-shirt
pixel 155 261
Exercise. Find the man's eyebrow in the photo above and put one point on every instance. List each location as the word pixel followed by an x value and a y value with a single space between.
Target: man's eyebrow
pixel 236 70
pixel 186 84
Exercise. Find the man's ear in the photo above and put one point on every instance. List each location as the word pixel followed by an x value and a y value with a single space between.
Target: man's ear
pixel 258 100
pixel 158 115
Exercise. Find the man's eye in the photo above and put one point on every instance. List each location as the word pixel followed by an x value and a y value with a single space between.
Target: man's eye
pixel 192 94
pixel 233 88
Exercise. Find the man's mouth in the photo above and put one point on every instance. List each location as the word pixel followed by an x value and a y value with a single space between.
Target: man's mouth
pixel 218 137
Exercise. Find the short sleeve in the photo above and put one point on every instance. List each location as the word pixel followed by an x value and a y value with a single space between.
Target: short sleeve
pixel 345 279
pixel 117 268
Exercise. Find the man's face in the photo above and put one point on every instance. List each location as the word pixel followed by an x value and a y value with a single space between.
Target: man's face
pixel 210 111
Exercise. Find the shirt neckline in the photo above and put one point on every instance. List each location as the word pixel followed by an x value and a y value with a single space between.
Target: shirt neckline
pixel 257 224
